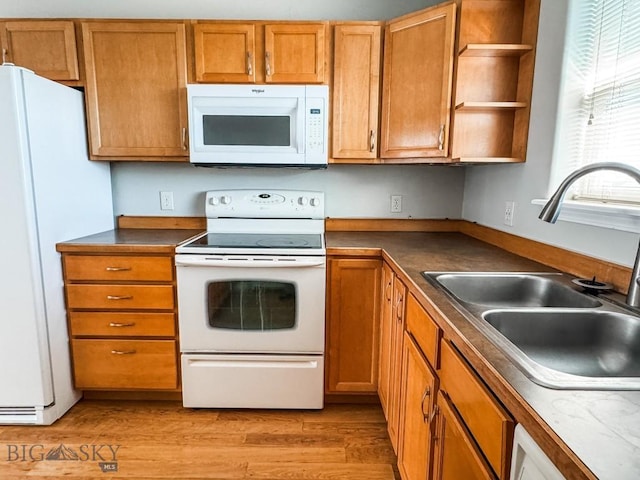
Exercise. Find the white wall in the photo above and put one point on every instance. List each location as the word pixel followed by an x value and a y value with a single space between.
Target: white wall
pixel 488 188
pixel 219 9
pixel 351 190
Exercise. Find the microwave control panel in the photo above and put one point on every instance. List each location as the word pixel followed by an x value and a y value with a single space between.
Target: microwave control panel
pixel 316 116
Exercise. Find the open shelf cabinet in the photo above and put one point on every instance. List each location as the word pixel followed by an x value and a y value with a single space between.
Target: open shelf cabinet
pixel 494 77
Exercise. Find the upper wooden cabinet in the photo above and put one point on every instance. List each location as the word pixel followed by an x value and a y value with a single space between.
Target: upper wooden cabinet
pixel 356 91
pixel 353 299
pixel 225 52
pixel 260 52
pixel 417 79
pixel 45 46
pixel 136 90
pixel 494 78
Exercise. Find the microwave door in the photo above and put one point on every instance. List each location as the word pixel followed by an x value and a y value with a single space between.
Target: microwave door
pixel 254 130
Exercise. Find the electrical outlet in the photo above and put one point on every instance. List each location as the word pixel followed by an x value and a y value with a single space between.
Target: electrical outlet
pixel 509 209
pixel 166 200
pixel 396 203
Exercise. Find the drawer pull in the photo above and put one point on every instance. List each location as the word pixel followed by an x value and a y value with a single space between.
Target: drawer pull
pixel 119 297
pixel 114 324
pixel 123 352
pixel 118 269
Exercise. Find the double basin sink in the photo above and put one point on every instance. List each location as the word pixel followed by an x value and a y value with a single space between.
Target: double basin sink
pixel 557 335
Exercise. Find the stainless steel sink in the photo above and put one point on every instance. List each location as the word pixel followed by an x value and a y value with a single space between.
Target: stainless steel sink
pixel 559 337
pixel 512 290
pixel 572 348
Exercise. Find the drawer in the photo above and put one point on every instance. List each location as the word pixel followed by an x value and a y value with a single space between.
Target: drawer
pixel 120 324
pixel 118 268
pixel 424 329
pixel 120 297
pixel 125 364
pixel 489 423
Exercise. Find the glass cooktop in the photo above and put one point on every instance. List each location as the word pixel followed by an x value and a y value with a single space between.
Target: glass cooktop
pixel 258 240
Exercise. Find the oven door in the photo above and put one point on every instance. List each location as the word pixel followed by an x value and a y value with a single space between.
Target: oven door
pixel 259 304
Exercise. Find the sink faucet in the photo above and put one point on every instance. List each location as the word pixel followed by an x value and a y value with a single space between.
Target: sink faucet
pixel 551 211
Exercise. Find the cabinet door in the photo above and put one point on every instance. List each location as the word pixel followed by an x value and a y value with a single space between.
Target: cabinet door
pixel 418 404
pixel 397 337
pixel 46 47
pixel 356 91
pixel 456 456
pixel 136 89
pixel 225 52
pixel 294 53
pixel 417 83
pixel 387 324
pixel 352 325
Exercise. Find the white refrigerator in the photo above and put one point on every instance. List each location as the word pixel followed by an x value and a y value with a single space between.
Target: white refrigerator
pixel 49 192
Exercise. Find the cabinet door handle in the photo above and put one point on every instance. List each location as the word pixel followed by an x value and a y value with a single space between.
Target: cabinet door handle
pixel 119 297
pixel 249 64
pixel 399 309
pixel 123 352
pixel 388 292
pixel 372 141
pixel 185 146
pixel 4 56
pixel 427 393
pixel 118 269
pixel 115 324
pixel 441 137
pixel 267 61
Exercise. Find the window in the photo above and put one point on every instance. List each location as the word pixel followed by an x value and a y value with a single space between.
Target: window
pixel 599 117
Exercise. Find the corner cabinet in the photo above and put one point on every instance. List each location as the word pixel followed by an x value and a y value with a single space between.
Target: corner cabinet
pixel 48 47
pixel 353 299
pixel 417 79
pixel 356 92
pixel 122 320
pixel 136 77
pixel 494 80
pixel 258 52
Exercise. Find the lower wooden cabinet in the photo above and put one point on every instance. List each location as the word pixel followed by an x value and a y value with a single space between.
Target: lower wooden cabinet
pixel 122 321
pixel 419 388
pixel 456 455
pixel 386 333
pixel 353 313
pixel 125 364
pixel 490 424
pixel 395 379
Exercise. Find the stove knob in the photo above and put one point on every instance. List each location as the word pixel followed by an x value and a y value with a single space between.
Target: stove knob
pixel 303 201
pixel 225 199
pixel 214 201
pixel 315 201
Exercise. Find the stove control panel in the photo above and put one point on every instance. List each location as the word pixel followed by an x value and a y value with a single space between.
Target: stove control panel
pixel 264 204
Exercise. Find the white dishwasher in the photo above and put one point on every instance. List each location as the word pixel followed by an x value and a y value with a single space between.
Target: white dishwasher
pixel 528 461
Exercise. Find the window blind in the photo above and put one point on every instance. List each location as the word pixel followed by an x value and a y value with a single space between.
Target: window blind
pixel 601 105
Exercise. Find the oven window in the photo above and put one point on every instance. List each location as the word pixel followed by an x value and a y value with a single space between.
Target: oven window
pixel 251 305
pixel 247 130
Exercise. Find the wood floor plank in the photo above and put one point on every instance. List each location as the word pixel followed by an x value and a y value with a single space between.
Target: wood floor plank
pixel 321 471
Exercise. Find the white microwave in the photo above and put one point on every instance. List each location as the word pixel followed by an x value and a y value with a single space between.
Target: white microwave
pixel 258 125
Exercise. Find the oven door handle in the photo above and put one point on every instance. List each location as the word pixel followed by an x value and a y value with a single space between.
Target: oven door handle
pixel 251 263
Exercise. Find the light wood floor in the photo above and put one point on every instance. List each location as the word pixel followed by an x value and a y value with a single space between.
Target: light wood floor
pixel 162 440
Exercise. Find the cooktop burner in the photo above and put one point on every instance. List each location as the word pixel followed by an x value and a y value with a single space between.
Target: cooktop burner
pixel 258 240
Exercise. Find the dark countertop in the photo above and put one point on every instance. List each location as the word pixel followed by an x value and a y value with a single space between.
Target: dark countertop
pixel 128 240
pixel 600 428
